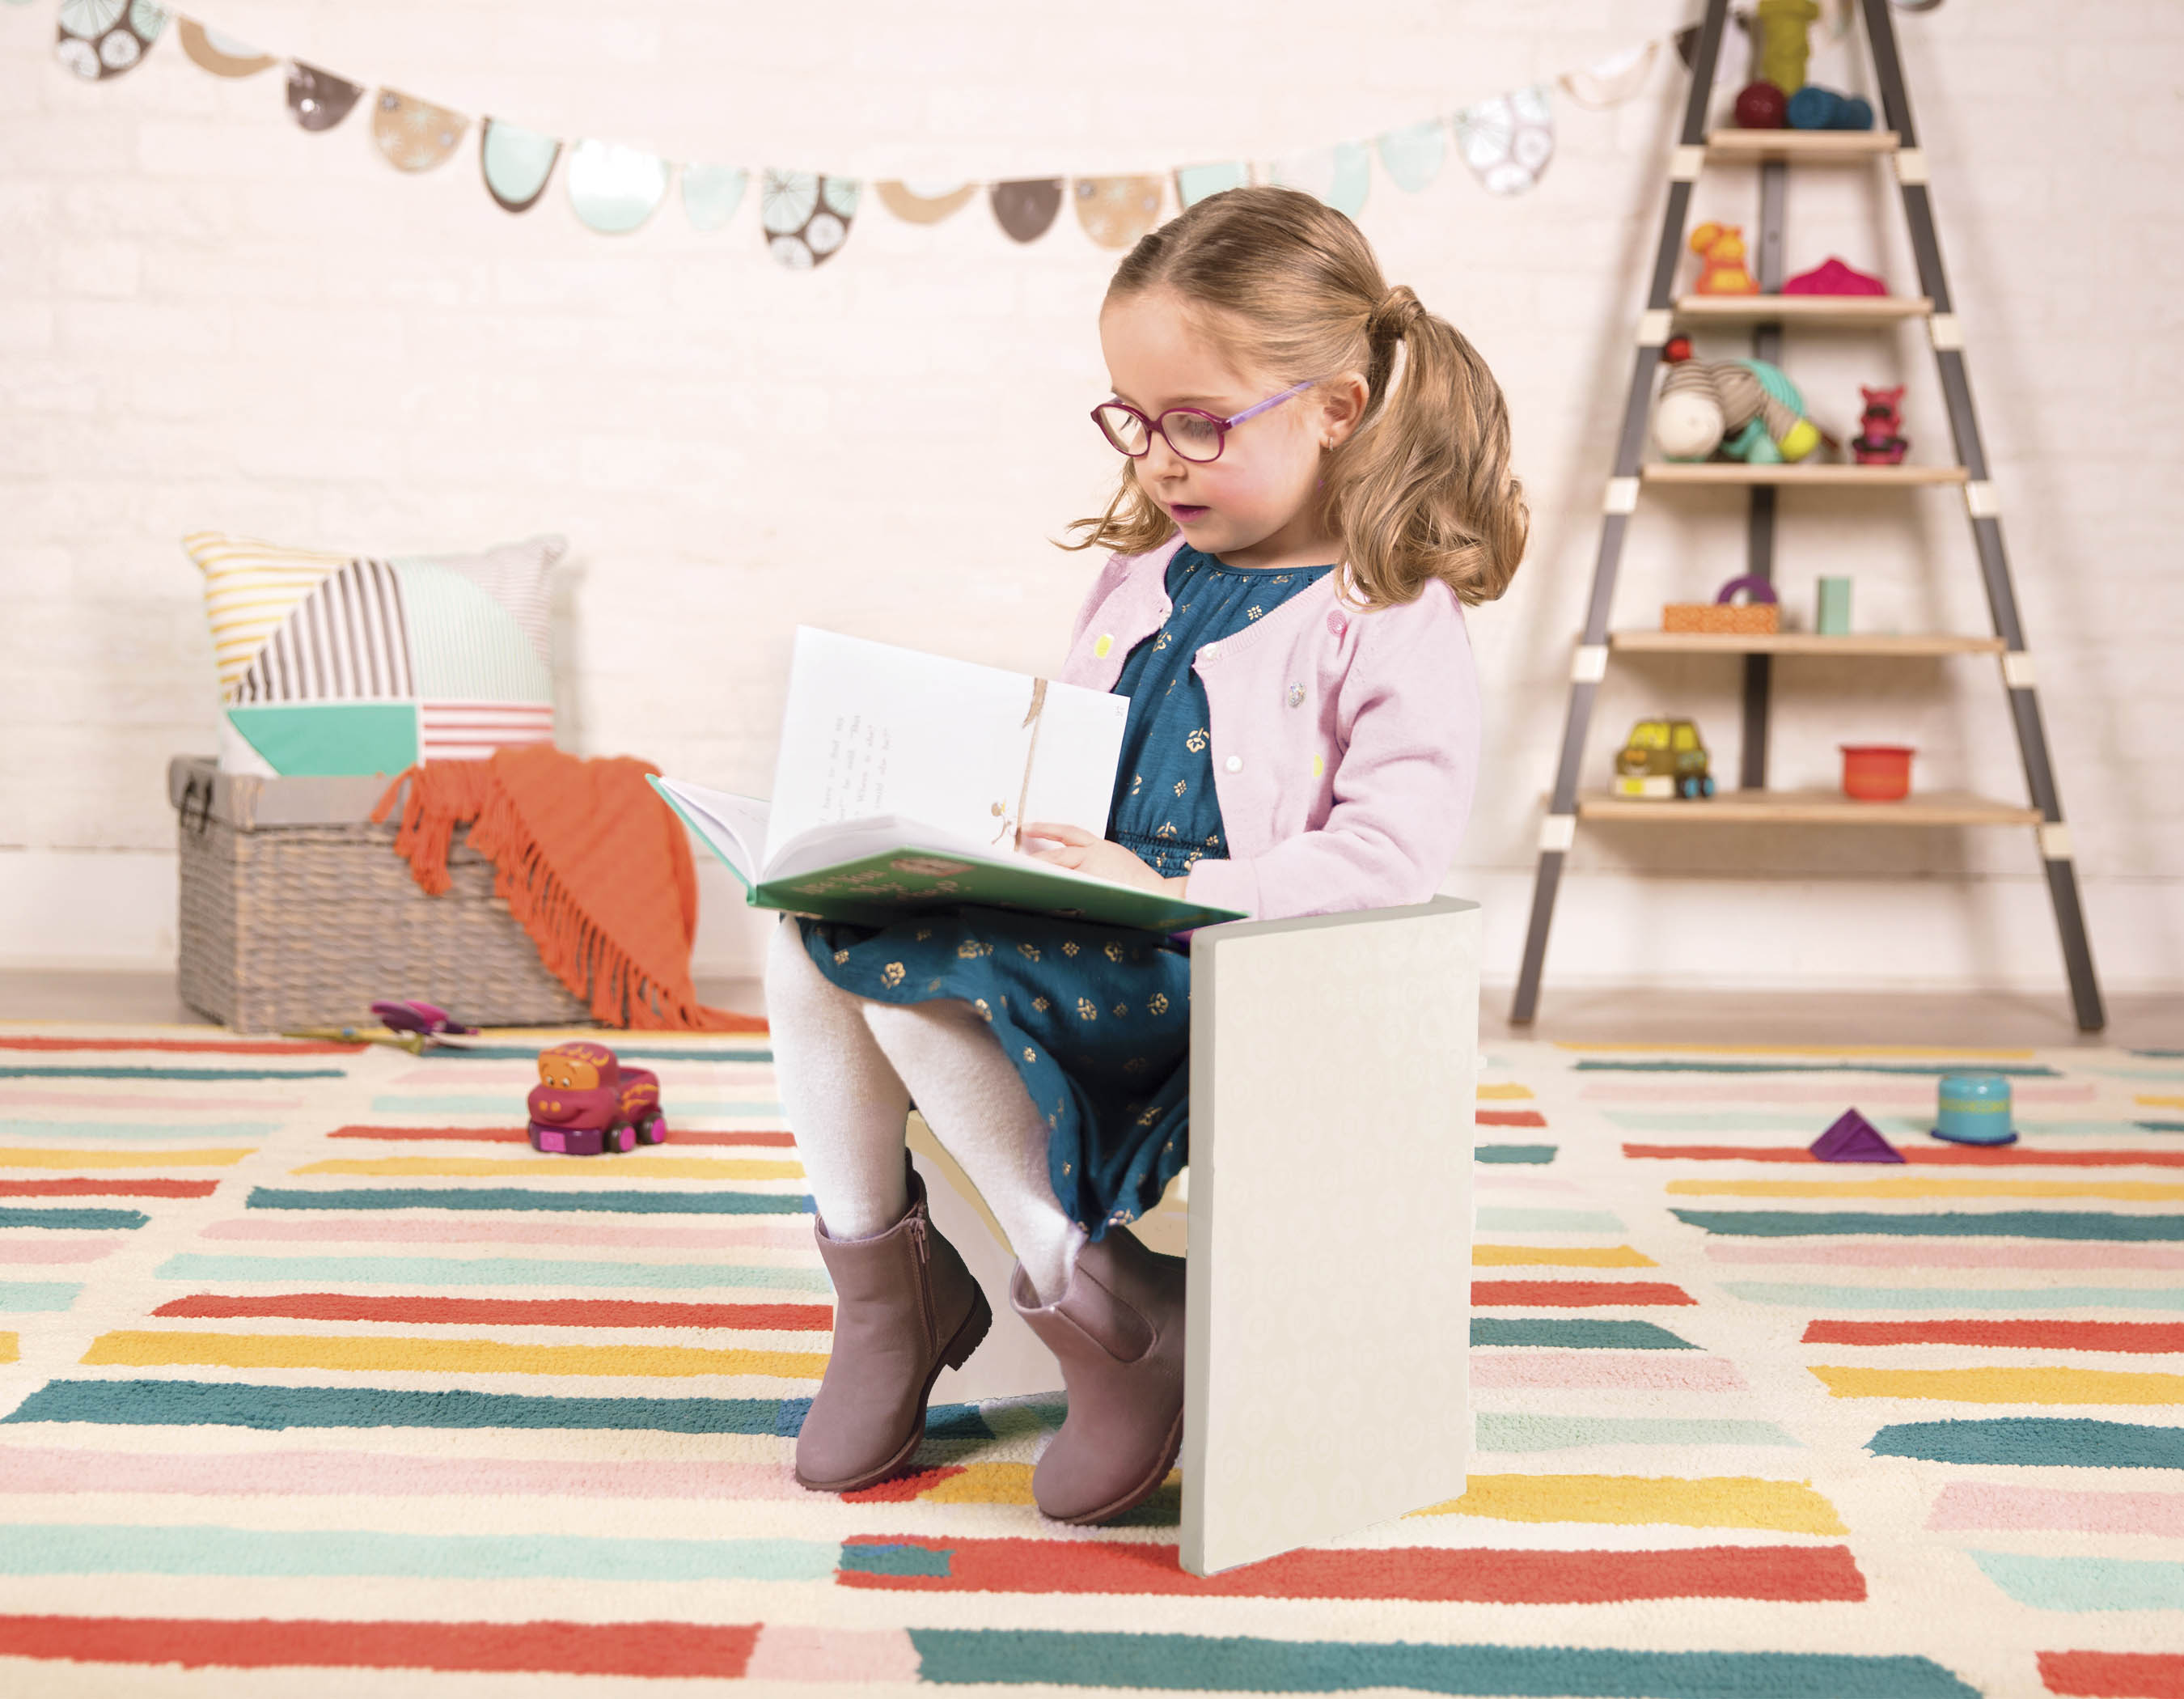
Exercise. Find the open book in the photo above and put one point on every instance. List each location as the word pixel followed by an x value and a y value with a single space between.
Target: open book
pixel 901 785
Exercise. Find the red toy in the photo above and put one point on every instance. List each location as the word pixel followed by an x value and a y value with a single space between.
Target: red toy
pixel 1876 772
pixel 1762 106
pixel 586 1101
pixel 1831 277
pixel 1881 443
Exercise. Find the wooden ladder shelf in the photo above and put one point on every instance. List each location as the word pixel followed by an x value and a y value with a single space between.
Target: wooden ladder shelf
pixel 1770 313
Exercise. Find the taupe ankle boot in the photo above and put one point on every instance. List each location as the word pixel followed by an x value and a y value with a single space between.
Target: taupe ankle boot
pixel 904 1306
pixel 1118 1332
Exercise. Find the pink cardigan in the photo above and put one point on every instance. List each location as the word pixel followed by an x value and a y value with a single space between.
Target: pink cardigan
pixel 1346 742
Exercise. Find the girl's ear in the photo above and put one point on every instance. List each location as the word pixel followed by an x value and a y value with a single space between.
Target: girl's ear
pixel 1342 400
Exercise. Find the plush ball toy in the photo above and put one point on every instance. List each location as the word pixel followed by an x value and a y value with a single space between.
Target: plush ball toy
pixel 1815 108
pixel 1760 106
pixel 1746 408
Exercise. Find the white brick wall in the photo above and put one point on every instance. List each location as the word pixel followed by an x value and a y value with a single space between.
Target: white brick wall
pixel 209 317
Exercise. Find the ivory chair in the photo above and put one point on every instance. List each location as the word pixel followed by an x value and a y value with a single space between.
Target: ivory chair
pixel 1326 1218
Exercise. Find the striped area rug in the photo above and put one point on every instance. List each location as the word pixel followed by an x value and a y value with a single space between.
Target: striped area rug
pixel 307 1362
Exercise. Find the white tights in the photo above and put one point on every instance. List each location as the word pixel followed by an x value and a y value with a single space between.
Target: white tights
pixel 848 1069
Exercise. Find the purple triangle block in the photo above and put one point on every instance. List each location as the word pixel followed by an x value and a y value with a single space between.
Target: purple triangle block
pixel 1853 1139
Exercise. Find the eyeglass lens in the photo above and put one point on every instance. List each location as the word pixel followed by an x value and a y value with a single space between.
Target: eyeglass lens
pixel 1193 436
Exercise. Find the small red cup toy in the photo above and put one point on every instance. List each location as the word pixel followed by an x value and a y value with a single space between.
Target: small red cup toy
pixel 586 1102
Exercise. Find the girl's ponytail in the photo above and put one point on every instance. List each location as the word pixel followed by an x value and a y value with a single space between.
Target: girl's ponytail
pixel 1422 489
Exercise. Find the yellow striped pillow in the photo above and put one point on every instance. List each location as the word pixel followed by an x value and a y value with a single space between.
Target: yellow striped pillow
pixel 250 588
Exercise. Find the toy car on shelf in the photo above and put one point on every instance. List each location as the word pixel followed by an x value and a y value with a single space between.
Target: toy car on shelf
pixel 585 1102
pixel 1662 758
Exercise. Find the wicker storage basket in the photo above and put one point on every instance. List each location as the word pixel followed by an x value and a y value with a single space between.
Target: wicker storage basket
pixel 297 912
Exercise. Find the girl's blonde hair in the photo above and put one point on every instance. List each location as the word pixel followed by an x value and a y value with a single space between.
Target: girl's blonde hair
pixel 1422 489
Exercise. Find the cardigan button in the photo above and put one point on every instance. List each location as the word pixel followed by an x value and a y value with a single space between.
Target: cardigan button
pixel 1209 651
pixel 1105 642
pixel 1336 623
pixel 1234 763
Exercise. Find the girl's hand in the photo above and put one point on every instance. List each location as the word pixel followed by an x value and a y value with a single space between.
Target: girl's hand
pixel 1099 857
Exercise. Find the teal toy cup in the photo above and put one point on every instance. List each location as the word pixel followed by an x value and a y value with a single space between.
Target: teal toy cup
pixel 1975 1110
pixel 1835 608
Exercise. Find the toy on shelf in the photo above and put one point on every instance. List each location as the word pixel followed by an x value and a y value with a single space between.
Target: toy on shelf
pixel 586 1101
pixel 1662 758
pixel 1880 440
pixel 1815 108
pixel 1722 270
pixel 1974 1109
pixel 1747 408
pixel 1779 94
pixel 1834 610
pixel 1877 773
pixel 1850 1138
pixel 1762 106
pixel 1760 616
pixel 1785 41
pixel 1831 277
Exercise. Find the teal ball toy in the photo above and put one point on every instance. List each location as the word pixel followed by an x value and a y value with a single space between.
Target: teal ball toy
pixel 1975 1110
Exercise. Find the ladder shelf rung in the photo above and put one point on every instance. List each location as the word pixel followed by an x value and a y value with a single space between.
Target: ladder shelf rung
pixel 1833 475
pixel 1807 808
pixel 1881 643
pixel 1845 310
pixel 1810 146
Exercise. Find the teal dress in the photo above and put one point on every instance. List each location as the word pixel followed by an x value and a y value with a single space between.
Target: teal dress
pixel 1096 1019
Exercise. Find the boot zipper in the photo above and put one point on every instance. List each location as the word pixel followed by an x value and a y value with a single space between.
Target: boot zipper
pixel 925 1279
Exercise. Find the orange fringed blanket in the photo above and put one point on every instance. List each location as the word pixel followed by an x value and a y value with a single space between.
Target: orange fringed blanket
pixel 588 859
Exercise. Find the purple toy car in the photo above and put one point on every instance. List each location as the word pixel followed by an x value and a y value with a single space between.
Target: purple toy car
pixel 585 1102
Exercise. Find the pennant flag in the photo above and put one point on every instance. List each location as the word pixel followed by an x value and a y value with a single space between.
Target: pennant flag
pixel 1340 175
pixel 1412 156
pixel 319 99
pixel 1507 140
pixel 97 39
pixel 924 203
pixel 1194 183
pixel 221 55
pixel 414 134
pixel 614 188
pixel 805 216
pixel 516 163
pixel 711 194
pixel 1026 206
pixel 1612 81
pixel 1115 211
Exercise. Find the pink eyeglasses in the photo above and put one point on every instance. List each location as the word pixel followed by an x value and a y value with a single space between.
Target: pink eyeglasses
pixel 1195 434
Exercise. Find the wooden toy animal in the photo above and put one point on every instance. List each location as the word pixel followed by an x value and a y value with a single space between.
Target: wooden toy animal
pixel 1881 441
pixel 1722 271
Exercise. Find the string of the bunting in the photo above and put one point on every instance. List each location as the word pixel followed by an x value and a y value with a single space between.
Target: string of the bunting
pixel 805 217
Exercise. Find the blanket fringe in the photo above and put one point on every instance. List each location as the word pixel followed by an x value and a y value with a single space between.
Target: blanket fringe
pixel 619 990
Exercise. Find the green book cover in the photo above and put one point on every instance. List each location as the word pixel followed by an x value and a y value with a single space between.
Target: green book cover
pixel 870 873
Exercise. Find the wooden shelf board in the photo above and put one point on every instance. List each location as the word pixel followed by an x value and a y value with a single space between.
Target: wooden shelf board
pixel 1807 808
pixel 1913 643
pixel 1832 474
pixel 1801 309
pixel 1813 146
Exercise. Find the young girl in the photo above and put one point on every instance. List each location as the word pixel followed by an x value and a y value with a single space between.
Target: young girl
pixel 1316 476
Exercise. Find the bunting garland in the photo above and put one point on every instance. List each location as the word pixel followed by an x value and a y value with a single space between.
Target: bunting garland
pixel 805 216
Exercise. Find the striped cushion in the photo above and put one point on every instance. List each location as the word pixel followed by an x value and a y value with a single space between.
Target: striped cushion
pixel 313 650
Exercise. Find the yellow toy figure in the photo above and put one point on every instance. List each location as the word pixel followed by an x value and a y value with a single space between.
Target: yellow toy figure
pixel 1783 42
pixel 1720 249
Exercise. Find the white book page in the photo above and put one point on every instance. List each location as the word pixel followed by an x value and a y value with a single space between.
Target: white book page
pixel 829 846
pixel 870 729
pixel 734 826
